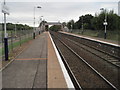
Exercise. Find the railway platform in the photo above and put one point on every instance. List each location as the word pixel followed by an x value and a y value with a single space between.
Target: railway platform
pixel 116 43
pixel 38 66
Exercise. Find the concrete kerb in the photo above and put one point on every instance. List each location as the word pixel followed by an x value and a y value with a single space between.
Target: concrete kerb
pixel 65 73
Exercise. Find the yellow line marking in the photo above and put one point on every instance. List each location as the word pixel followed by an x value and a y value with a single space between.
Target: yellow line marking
pixel 31 59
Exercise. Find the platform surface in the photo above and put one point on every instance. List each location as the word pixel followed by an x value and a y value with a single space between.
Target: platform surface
pixel 36 67
pixel 116 43
pixel 29 69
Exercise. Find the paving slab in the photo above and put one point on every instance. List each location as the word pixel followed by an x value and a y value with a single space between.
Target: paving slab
pixel 55 75
pixel 29 68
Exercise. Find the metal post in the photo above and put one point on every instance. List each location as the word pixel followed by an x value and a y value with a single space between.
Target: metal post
pixel 105 23
pixel 20 36
pixel 105 33
pixel 34 25
pixel 71 27
pixel 39 32
pixel 105 26
pixel 34 22
pixel 15 29
pixel 82 26
pixel 5 38
pixel 15 32
pixel 12 40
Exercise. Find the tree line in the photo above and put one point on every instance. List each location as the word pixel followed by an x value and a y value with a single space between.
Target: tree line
pixel 11 26
pixel 96 22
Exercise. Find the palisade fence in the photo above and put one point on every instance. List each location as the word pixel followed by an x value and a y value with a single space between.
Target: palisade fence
pixel 15 40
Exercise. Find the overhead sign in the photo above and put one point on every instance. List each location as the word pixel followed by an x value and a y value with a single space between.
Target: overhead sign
pixel 5 9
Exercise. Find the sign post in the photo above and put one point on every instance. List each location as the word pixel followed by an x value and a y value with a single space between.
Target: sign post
pixel 5 10
pixel 105 33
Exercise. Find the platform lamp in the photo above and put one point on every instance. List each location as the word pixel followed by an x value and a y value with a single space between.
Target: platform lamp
pixel 40 23
pixel 105 23
pixel 34 22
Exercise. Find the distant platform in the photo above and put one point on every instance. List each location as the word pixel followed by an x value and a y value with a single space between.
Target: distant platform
pixel 106 41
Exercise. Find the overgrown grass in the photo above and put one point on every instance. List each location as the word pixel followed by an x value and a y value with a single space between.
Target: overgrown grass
pixel 111 35
pixel 1 51
pixel 14 45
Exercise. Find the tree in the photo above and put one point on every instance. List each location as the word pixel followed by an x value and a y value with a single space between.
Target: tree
pixel 96 22
pixel 64 24
pixel 86 20
pixel 112 20
pixel 55 28
pixel 11 26
pixel 71 24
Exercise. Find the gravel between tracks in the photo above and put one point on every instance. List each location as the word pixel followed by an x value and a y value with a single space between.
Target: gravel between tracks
pixel 85 76
pixel 108 70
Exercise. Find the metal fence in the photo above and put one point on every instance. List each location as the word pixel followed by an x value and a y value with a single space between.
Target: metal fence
pixel 111 34
pixel 15 40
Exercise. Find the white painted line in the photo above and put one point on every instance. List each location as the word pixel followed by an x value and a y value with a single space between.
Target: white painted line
pixel 92 39
pixel 65 73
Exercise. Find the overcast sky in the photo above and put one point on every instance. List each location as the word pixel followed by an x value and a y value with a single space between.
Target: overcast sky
pixel 54 10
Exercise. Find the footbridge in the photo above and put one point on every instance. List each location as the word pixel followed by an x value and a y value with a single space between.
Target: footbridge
pixel 45 25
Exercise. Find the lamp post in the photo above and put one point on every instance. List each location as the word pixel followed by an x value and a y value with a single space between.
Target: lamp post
pixel 34 22
pixel 5 10
pixel 40 24
pixel 71 27
pixel 105 23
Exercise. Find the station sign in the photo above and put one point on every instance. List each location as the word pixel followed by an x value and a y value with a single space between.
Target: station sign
pixel 105 23
pixel 5 9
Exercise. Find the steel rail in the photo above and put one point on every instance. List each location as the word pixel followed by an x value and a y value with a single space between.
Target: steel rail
pixel 76 43
pixel 73 78
pixel 108 82
pixel 95 47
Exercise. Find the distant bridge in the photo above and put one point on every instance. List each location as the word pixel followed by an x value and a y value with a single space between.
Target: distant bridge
pixel 45 25
pixel 53 23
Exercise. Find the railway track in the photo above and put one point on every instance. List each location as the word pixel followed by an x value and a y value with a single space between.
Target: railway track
pixel 86 75
pixel 96 50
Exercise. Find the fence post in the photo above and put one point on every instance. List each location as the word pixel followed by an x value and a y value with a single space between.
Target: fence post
pixel 20 37
pixel 33 35
pixel 12 40
pixel 6 48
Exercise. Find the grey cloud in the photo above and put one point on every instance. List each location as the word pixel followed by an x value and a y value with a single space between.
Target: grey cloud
pixel 53 11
